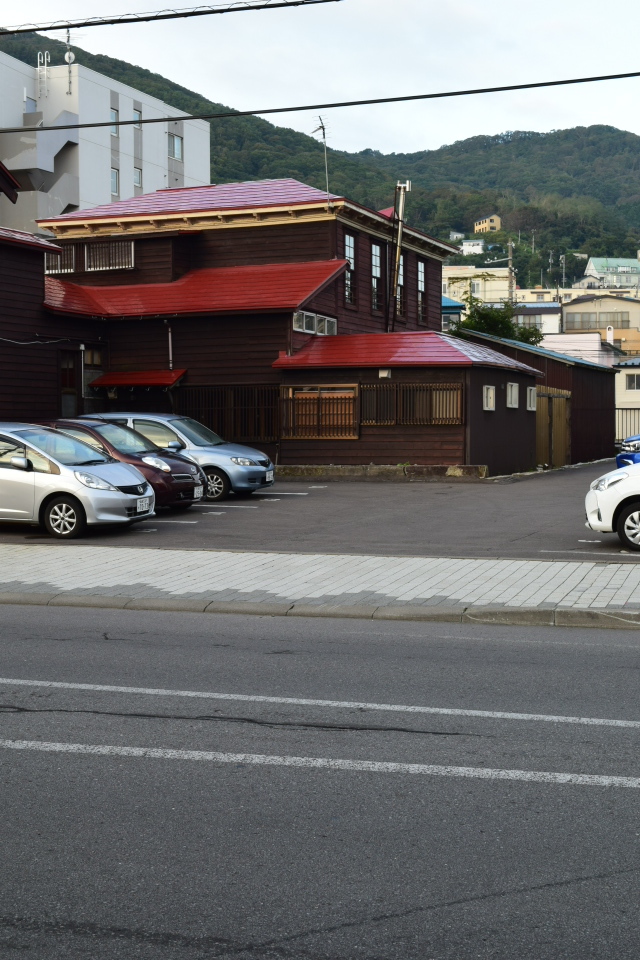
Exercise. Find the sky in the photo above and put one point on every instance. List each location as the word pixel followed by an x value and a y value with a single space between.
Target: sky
pixel 356 49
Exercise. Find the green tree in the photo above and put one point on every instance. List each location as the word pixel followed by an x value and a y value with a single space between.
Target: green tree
pixel 496 321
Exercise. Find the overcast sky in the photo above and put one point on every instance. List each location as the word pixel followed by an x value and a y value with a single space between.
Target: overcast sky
pixel 355 49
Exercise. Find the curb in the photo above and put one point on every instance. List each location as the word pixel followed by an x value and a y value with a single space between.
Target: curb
pixel 614 619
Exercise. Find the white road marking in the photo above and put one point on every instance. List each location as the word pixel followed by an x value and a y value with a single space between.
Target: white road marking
pixel 318 488
pixel 589 541
pixel 335 704
pixel 176 521
pixel 238 506
pixel 214 513
pixel 326 763
pixel 278 494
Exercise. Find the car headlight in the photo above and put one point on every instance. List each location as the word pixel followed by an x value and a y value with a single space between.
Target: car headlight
pixel 631 446
pixel 243 461
pixel 157 463
pixel 96 483
pixel 608 481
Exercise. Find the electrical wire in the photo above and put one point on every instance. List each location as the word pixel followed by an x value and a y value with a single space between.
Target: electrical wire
pixel 241 6
pixel 325 106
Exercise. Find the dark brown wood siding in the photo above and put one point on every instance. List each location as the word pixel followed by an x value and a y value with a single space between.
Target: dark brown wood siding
pixel 592 398
pixel 503 439
pixel 214 350
pixel 240 246
pixel 30 371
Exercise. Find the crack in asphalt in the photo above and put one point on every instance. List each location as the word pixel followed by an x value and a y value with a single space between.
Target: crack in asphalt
pixel 223 718
pixel 280 946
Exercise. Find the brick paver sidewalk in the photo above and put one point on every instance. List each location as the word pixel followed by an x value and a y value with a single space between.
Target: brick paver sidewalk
pixel 57 572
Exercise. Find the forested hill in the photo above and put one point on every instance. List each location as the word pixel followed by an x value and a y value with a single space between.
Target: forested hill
pixel 578 189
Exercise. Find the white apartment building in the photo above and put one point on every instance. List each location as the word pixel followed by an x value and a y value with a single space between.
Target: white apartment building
pixel 66 170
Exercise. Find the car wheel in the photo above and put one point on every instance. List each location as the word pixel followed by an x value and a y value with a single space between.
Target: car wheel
pixel 64 518
pixel 628 526
pixel 217 485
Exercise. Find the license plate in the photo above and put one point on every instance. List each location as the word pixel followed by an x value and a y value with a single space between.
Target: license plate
pixel 197 492
pixel 142 506
pixel 269 476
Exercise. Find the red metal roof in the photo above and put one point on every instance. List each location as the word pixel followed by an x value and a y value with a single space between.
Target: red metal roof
pixel 23 239
pixel 253 289
pixel 424 349
pixel 224 196
pixel 139 378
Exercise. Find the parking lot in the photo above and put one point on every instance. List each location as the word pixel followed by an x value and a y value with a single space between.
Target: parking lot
pixel 526 517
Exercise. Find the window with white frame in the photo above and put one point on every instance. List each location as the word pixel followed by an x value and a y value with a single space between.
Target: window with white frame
pixel 109 255
pixel 137 117
pixel 115 182
pixel 488 398
pixel 513 395
pixel 475 288
pixel 305 322
pixel 532 399
pixel 444 288
pixel 137 176
pixel 376 276
pixel 176 147
pixel 349 277
pixel 63 262
pixel 422 292
pixel 633 381
pixel 114 122
pixel 529 320
pixel 400 297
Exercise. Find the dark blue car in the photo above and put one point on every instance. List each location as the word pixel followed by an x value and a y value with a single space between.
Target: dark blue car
pixel 629 451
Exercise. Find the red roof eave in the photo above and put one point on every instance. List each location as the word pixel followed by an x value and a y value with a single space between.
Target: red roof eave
pixel 139 378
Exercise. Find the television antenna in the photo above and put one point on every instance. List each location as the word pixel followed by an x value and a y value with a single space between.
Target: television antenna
pixel 322 128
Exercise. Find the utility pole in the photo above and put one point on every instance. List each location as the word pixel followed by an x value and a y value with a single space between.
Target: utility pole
pixel 563 264
pixel 402 189
pixel 512 276
pixel 533 242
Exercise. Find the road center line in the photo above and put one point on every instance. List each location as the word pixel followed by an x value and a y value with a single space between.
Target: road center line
pixel 325 763
pixel 336 704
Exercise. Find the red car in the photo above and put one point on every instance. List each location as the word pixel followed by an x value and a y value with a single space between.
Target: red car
pixel 177 481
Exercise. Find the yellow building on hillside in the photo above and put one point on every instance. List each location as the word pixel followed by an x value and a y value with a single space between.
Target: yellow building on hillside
pixel 488 225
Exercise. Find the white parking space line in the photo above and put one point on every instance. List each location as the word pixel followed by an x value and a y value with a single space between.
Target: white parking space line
pixel 317 488
pixel 334 704
pixel 278 494
pixel 176 521
pixel 214 513
pixel 238 506
pixel 325 763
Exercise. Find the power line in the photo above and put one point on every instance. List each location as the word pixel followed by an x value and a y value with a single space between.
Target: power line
pixel 324 106
pixel 240 6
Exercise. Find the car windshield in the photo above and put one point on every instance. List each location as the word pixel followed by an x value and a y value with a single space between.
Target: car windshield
pixel 197 433
pixel 124 439
pixel 62 447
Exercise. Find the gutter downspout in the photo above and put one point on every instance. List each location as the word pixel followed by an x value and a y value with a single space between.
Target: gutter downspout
pixel 170 344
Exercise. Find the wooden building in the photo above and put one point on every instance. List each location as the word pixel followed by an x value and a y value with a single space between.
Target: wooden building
pixel 576 417
pixel 423 398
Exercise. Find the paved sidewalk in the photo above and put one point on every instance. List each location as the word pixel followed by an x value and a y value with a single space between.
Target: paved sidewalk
pixel 514 591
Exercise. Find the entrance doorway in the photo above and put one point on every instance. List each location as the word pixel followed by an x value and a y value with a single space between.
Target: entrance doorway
pixel 553 427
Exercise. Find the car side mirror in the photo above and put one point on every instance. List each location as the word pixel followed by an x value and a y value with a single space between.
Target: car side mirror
pixel 175 445
pixel 20 463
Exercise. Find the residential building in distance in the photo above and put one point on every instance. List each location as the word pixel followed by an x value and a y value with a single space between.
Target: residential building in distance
pixel 469 247
pixel 489 284
pixel 546 317
pixel 62 171
pixel 452 311
pixel 455 235
pixel 488 224
pixel 615 318
pixel 586 346
pixel 612 272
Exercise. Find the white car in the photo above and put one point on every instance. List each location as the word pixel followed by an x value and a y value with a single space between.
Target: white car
pixel 613 505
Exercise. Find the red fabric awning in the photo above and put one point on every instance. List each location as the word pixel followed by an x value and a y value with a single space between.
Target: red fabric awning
pixel 248 289
pixel 139 378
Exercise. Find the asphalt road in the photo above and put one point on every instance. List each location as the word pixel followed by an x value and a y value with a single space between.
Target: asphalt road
pixel 491 836
pixel 538 517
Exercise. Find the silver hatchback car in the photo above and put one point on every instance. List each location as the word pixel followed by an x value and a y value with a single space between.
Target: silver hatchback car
pixel 230 467
pixel 51 478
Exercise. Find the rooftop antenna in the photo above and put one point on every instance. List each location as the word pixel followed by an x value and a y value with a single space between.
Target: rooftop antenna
pixel 402 189
pixel 323 129
pixel 69 57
